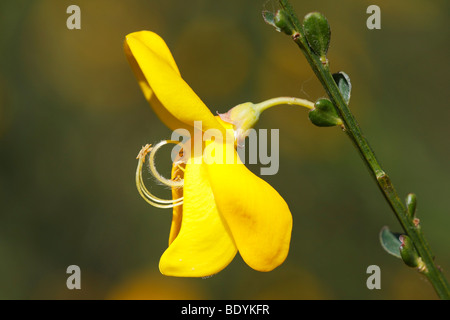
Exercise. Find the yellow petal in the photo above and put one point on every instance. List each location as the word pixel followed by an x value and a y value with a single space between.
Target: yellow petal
pixel 204 245
pixel 165 116
pixel 176 103
pixel 258 217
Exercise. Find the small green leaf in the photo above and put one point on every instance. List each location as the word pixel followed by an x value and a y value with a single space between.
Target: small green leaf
pixel 269 18
pixel 390 242
pixel 324 114
pixel 317 33
pixel 345 86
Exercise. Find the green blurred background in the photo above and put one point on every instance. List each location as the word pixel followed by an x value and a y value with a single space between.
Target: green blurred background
pixel 72 120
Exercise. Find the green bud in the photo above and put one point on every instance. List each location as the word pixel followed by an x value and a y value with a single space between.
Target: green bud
pixel 317 33
pixel 408 252
pixel 280 20
pixel 283 22
pixel 411 203
pixel 324 114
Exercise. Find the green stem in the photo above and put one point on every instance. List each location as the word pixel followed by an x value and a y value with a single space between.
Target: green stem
pixel 262 106
pixel 351 127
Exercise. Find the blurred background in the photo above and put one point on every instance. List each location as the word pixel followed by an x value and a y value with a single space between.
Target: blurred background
pixel 72 120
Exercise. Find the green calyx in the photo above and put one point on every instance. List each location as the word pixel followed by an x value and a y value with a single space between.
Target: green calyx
pixel 324 114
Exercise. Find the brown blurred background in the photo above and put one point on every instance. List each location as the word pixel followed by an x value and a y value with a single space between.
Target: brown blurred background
pixel 72 119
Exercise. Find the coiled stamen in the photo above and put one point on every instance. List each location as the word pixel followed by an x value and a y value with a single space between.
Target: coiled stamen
pixel 155 173
pixel 143 191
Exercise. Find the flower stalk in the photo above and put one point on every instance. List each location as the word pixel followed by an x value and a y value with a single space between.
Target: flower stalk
pixel 320 66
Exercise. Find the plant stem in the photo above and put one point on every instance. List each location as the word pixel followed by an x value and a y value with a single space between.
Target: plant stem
pixel 351 127
pixel 262 106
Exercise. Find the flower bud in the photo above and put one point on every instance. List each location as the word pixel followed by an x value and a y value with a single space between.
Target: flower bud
pixel 411 203
pixel 408 252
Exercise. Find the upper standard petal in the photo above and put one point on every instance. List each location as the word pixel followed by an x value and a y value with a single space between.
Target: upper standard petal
pixel 158 75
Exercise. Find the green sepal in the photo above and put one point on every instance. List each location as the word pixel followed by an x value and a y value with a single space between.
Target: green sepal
pixel 324 114
pixel 408 252
pixel 345 86
pixel 317 33
pixel 411 204
pixel 390 242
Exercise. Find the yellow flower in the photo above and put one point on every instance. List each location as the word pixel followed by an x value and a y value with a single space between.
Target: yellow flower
pixel 225 207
